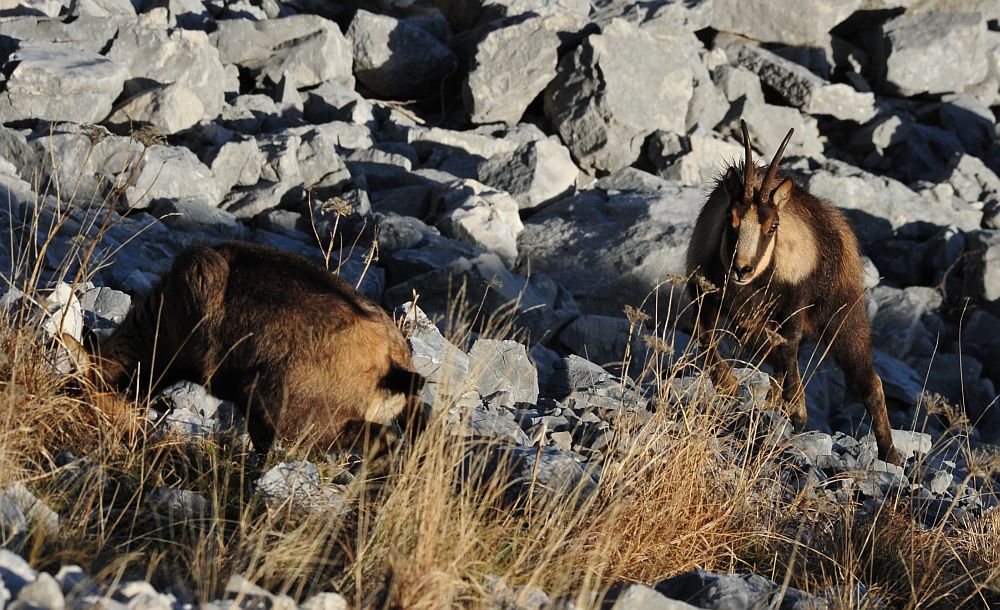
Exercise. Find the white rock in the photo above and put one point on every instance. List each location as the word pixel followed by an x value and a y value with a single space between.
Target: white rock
pixel 614 90
pixel 395 58
pixel 185 57
pixel 694 159
pixel 57 83
pixel 793 22
pixel 933 52
pixel 168 109
pixel 309 48
pixel 478 215
pixel 535 173
pixel 511 66
pixel 803 89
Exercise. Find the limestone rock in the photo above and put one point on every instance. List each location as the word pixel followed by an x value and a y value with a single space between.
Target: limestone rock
pixel 478 215
pixel 629 243
pixel 694 159
pixel 535 173
pixel 395 58
pixel 57 83
pixel 803 89
pixel 613 91
pixel 310 49
pixel 932 52
pixel 793 22
pixel 184 57
pixel 511 66
pixel 168 109
pixel 503 366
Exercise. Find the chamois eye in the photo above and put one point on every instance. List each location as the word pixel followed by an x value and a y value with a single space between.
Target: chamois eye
pixel 774 227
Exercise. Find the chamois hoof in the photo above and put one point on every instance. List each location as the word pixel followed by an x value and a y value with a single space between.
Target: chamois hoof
pixel 799 420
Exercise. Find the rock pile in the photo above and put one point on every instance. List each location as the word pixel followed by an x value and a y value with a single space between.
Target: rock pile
pixel 545 163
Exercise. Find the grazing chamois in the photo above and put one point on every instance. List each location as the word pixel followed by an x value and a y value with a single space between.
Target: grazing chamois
pixel 303 354
pixel 780 262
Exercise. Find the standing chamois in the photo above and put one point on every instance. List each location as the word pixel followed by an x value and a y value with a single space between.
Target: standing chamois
pixel 780 262
pixel 303 354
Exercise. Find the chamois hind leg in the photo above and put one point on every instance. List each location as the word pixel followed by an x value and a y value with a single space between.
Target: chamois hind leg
pixel 706 321
pixel 853 353
pixel 784 360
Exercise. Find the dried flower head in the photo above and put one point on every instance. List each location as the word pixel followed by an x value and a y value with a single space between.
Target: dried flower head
pixel 336 205
pixel 704 285
pixel 95 133
pixel 148 135
pixel 636 316
pixel 658 344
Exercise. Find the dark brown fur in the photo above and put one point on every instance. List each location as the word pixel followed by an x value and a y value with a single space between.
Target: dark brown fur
pixel 811 284
pixel 303 354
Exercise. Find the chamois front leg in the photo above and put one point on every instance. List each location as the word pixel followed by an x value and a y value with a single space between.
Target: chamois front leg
pixel 706 321
pixel 784 360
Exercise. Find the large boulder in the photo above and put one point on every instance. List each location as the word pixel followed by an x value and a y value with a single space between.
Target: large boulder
pixel 877 205
pixel 535 173
pixel 628 243
pixel 803 89
pixel 166 108
pixel 793 22
pixel 614 90
pixel 310 49
pixel 395 58
pixel 171 172
pixel 155 57
pixel 56 83
pixel 932 52
pixel 492 297
pixel 85 32
pixel 511 66
pixel 478 215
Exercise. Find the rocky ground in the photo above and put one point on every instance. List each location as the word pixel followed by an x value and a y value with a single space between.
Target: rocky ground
pixel 552 158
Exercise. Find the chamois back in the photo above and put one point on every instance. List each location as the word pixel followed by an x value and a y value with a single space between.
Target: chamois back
pixel 303 354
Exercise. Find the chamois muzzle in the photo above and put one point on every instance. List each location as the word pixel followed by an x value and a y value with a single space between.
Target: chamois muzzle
pixel 742 274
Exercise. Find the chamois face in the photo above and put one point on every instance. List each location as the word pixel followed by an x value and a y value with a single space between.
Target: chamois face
pixel 751 231
pixel 747 245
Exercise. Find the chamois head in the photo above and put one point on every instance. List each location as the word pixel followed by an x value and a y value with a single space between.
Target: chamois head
pixel 754 212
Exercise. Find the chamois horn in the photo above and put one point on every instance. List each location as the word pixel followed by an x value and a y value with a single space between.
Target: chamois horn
pixel 747 165
pixel 772 169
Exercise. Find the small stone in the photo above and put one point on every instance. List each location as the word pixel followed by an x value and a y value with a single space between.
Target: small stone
pixel 909 443
pixel 44 593
pixel 325 601
pixel 181 504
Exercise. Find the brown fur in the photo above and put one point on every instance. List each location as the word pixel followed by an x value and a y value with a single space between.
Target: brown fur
pixel 303 354
pixel 808 281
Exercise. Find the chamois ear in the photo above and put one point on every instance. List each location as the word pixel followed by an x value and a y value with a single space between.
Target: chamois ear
pixel 782 194
pixel 732 183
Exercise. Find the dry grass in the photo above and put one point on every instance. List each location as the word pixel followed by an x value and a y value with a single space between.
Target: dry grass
pixel 695 486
